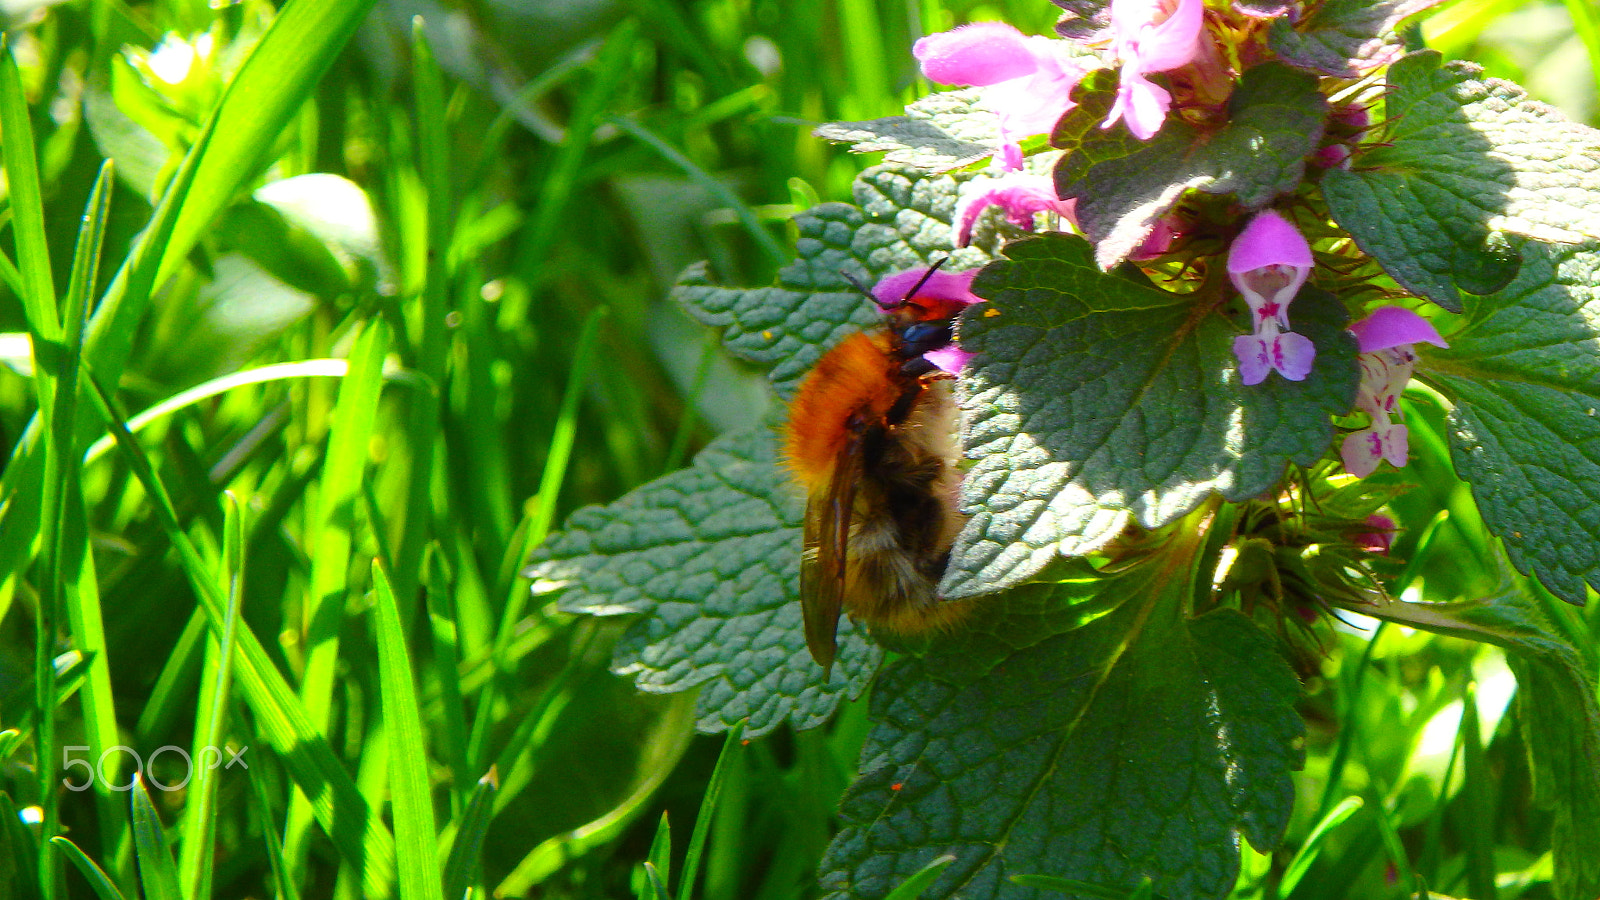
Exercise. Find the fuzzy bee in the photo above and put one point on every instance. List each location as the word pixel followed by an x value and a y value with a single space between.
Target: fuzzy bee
pixel 873 438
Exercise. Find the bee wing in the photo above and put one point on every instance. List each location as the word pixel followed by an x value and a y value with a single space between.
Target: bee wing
pixel 827 550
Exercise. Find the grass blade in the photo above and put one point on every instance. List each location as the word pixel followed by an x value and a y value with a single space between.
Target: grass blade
pixel 416 837
pixel 269 831
pixel 1307 854
pixel 356 830
pixel 335 526
pixel 157 875
pixel 708 807
pixel 306 368
pixel 195 859
pixel 912 887
pixel 1053 883
pixel 92 873
pixel 71 559
pixel 461 868
pixel 660 854
pixel 26 204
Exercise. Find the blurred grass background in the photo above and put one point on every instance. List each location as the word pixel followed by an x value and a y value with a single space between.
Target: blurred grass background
pixel 455 242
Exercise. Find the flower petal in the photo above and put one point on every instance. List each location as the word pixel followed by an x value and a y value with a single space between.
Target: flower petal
pixel 1019 194
pixel 1255 359
pixel 1168 45
pixel 942 285
pixel 1361 452
pixel 976 54
pixel 1268 240
pixel 1392 326
pixel 1293 355
pixel 951 359
pixel 1396 444
pixel 1140 103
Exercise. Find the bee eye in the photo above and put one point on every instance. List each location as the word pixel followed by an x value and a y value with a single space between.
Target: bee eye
pixel 918 339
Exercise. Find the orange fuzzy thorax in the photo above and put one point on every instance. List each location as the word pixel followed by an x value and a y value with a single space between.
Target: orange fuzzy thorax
pixel 859 376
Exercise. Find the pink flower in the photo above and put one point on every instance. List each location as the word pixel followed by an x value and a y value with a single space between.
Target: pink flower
pixel 952 290
pixel 1150 36
pixel 1019 194
pixel 1380 538
pixel 1268 263
pixel 893 291
pixel 1386 339
pixel 1028 79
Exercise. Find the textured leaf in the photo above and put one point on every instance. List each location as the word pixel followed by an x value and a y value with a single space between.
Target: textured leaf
pixel 940 132
pixel 1345 37
pixel 903 221
pixel 1556 710
pixel 1524 375
pixel 1276 118
pixel 1140 744
pixel 709 556
pixel 1464 157
pixel 1094 402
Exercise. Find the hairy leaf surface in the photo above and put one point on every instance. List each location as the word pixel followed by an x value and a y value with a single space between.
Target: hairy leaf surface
pixel 1524 375
pixel 1462 158
pixel 1345 37
pixel 709 558
pixel 1275 120
pixel 1095 402
pixel 940 132
pixel 1055 739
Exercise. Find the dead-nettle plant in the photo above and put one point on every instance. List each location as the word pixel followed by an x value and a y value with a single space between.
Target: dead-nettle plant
pixel 1223 269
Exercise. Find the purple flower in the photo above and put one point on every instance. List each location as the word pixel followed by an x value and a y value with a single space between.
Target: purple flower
pixel 1268 263
pixel 1019 194
pixel 1028 80
pixel 949 287
pixel 1150 36
pixel 1386 339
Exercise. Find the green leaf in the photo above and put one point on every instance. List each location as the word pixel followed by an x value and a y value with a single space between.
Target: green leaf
pixel 940 132
pixel 1524 377
pixel 1556 708
pixel 416 843
pixel 24 201
pixel 1140 744
pixel 710 556
pixel 1275 120
pixel 102 884
pixel 902 221
pixel 731 747
pixel 1345 37
pixel 158 876
pixel 356 829
pixel 466 851
pixel 1095 402
pixel 1461 158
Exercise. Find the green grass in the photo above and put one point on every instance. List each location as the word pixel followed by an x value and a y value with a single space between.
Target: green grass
pixel 319 451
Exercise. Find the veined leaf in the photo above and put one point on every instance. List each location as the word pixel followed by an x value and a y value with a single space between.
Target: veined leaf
pixel 1463 157
pixel 710 556
pixel 1524 375
pixel 1095 402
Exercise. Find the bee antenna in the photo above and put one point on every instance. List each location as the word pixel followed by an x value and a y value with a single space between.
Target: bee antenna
pixel 924 279
pixel 895 304
pixel 856 283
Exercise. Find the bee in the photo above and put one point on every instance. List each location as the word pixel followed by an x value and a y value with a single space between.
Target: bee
pixel 872 437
